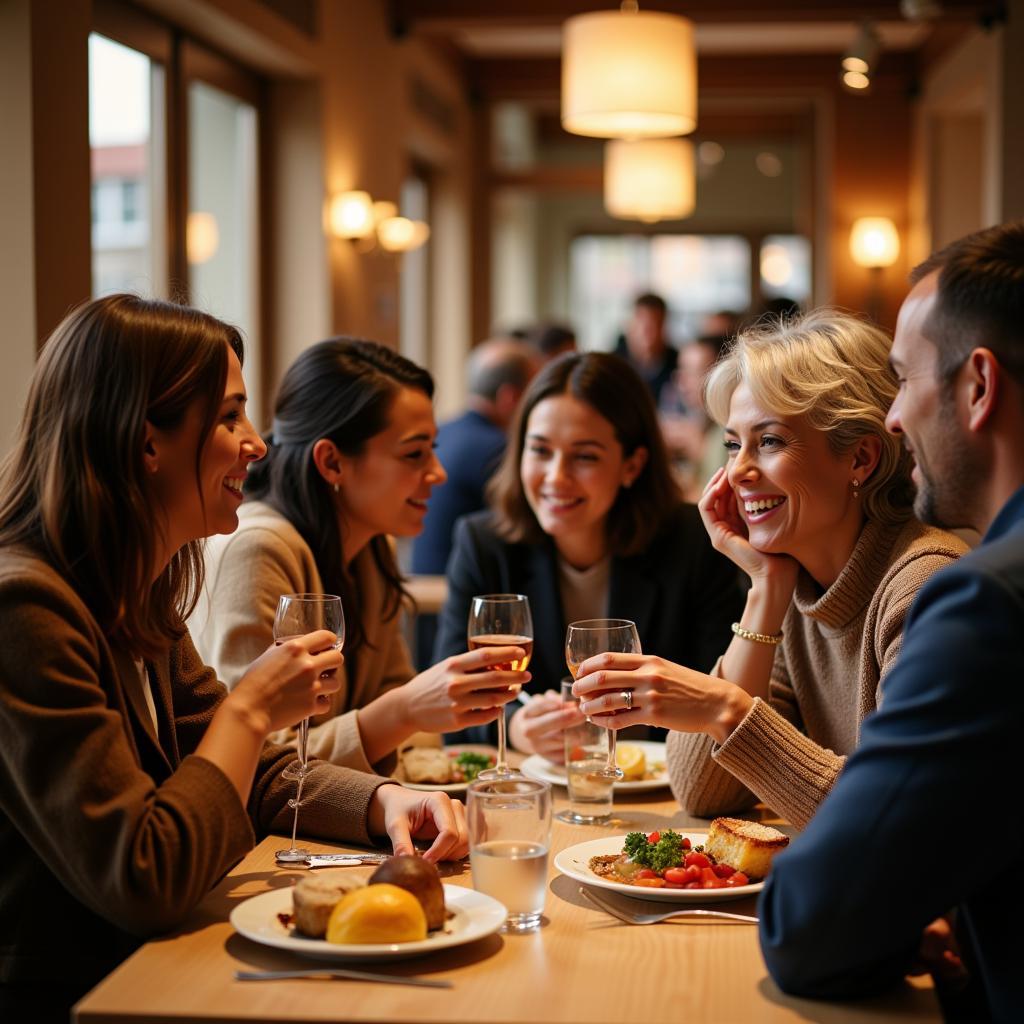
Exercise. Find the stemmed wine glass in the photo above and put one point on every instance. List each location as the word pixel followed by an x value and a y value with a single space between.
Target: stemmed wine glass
pixel 588 637
pixel 297 615
pixel 501 620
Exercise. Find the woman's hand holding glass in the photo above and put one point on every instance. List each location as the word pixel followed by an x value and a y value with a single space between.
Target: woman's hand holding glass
pixel 404 815
pixel 662 694
pixel 290 681
pixel 538 727
pixel 463 690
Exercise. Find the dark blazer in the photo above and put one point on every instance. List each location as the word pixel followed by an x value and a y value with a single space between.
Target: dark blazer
pixel 843 909
pixel 682 595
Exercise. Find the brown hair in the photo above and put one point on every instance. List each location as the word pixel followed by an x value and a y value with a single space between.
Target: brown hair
pixel 614 390
pixel 341 389
pixel 834 369
pixel 74 486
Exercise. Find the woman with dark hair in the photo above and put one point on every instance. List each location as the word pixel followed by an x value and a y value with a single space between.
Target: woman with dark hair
pixel 350 464
pixel 587 521
pixel 130 781
pixel 814 506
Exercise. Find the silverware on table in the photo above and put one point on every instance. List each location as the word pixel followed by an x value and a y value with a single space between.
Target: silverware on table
pixel 335 972
pixel 634 917
pixel 343 860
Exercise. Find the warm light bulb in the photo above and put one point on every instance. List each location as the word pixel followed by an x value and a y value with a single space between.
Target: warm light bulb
pixel 400 234
pixel 855 80
pixel 350 215
pixel 202 237
pixel 874 242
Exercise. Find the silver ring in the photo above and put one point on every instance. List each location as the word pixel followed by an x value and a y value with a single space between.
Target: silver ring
pixel 627 696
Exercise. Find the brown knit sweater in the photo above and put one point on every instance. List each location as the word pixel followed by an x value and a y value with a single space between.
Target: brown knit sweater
pixel 828 673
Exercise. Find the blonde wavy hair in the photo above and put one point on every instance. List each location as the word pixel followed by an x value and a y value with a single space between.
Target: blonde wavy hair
pixel 834 369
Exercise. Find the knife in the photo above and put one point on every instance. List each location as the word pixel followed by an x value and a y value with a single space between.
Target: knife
pixel 334 972
pixel 342 860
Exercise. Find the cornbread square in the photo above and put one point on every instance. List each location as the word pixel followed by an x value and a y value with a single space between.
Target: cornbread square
pixel 745 845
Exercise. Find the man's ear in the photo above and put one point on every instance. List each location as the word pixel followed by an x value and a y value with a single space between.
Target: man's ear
pixel 330 463
pixel 150 449
pixel 980 386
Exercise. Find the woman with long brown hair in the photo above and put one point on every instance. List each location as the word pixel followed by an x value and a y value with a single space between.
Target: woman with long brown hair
pixel 130 781
pixel 587 521
pixel 350 465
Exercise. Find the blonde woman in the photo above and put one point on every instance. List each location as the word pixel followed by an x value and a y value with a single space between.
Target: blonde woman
pixel 815 506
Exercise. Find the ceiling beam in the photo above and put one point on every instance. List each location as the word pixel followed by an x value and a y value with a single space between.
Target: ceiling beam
pixel 442 16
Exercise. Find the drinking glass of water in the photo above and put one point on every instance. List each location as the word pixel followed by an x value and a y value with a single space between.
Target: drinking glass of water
pixel 509 839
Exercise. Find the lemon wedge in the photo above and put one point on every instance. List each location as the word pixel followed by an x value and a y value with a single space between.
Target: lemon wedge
pixel 631 760
pixel 377 913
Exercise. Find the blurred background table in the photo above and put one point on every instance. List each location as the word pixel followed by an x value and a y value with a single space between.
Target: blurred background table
pixel 580 966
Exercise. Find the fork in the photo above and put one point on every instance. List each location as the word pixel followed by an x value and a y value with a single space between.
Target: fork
pixel 631 917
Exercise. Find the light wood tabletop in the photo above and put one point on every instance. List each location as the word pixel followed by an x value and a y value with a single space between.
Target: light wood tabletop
pixel 581 965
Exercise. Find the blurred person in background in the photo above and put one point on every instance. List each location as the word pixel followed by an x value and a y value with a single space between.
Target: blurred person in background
pixel 645 345
pixel 587 521
pixel 553 340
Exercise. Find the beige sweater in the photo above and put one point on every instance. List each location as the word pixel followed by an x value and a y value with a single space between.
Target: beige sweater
pixel 828 674
pixel 246 572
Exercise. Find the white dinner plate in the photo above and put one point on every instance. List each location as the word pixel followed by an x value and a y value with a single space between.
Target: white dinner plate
pixel 451 788
pixel 474 916
pixel 575 862
pixel 537 767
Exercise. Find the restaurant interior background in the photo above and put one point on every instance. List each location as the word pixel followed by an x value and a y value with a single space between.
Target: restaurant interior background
pixel 201 149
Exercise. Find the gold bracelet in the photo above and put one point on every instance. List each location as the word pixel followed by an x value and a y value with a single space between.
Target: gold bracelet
pixel 759 638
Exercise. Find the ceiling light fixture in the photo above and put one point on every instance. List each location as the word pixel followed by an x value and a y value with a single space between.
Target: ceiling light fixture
pixel 649 179
pixel 860 60
pixel 629 74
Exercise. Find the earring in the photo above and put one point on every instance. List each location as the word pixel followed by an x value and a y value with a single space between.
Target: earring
pixel 337 489
pixel 856 487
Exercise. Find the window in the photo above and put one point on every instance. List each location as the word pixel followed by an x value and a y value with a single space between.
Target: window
pixel 696 275
pixel 127 146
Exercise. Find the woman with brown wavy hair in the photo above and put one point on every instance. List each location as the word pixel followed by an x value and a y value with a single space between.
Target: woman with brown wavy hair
pixel 130 781
pixel 350 464
pixel 588 522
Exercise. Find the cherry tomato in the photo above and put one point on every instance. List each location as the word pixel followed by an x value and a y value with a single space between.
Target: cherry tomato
pixel 677 876
pixel 697 860
pixel 654 838
pixel 693 885
pixel 709 880
pixel 723 870
pixel 738 878
pixel 646 873
pixel 686 843
pixel 692 873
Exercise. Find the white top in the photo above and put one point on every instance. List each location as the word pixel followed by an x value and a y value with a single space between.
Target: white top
pixel 584 592
pixel 147 692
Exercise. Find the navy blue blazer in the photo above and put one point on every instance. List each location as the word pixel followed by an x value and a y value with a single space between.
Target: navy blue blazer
pixel 937 768
pixel 681 593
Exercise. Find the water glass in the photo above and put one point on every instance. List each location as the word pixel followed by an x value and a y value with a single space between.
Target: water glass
pixel 509 838
pixel 590 789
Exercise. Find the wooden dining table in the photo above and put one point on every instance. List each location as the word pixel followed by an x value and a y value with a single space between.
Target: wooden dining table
pixel 581 965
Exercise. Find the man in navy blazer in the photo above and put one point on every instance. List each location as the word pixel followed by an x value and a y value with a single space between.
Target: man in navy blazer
pixel 924 820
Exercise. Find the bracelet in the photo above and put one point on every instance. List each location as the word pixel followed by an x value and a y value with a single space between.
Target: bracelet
pixel 759 638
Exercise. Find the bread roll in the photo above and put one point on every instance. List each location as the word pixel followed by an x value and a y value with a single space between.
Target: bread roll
pixel 316 896
pixel 745 845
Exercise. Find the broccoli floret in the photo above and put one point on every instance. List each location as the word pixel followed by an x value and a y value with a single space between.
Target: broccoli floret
pixel 666 853
pixel 472 763
pixel 636 846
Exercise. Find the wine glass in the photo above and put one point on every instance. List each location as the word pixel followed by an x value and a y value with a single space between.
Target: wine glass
pixel 588 637
pixel 297 615
pixel 501 620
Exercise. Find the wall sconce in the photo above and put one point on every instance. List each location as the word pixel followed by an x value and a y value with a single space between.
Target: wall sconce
pixel 860 59
pixel 649 179
pixel 350 215
pixel 629 74
pixel 202 237
pixel 874 244
pixel 399 234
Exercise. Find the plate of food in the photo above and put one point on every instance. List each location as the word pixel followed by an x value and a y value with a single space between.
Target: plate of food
pixel 727 862
pixel 445 769
pixel 642 761
pixel 402 911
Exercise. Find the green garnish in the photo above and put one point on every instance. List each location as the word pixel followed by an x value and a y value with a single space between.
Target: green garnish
pixel 666 853
pixel 472 763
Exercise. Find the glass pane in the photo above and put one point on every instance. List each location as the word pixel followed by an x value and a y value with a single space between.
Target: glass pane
pixel 786 268
pixel 126 135
pixel 697 275
pixel 222 233
pixel 414 295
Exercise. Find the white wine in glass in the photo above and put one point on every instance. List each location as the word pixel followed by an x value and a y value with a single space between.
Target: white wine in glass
pixel 297 615
pixel 501 620
pixel 588 637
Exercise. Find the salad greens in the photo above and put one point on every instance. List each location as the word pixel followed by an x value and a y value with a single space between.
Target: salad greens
pixel 472 763
pixel 667 852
